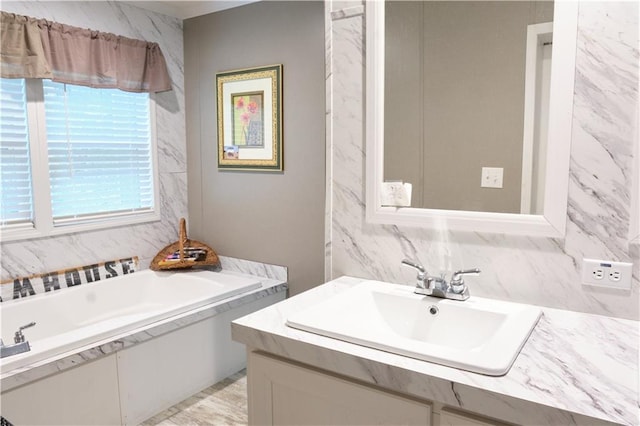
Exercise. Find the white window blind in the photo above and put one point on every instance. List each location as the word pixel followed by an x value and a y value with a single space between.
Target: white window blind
pixel 99 149
pixel 16 195
pixel 74 158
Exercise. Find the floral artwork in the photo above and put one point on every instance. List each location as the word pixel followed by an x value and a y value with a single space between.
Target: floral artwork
pixel 247 119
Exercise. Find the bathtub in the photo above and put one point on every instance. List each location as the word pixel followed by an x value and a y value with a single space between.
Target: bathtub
pixel 89 313
pixel 121 350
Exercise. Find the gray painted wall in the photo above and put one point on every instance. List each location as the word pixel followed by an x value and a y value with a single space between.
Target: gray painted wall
pixel 268 217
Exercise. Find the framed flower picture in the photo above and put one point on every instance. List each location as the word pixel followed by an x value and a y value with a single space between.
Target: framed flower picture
pixel 249 105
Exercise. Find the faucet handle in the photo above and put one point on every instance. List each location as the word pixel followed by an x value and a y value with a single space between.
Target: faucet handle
pixel 414 265
pixel 19 337
pixel 456 278
pixel 457 281
pixel 422 273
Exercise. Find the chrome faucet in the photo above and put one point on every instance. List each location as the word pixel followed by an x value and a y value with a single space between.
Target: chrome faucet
pixel 429 285
pixel 20 344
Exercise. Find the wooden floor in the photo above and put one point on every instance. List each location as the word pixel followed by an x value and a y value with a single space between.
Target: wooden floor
pixel 224 403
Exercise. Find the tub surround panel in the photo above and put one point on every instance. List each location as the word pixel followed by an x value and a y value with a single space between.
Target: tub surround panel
pixel 99 349
pixel 27 257
pixel 344 8
pixel 173 206
pixel 328 129
pixel 575 368
pixel 257 269
pixel 542 271
pixel 348 12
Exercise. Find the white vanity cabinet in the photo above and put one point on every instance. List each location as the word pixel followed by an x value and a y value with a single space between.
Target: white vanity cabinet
pixel 287 393
pixel 284 393
pixel 298 377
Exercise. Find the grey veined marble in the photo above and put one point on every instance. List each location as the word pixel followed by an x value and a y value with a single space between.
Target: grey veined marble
pixel 254 268
pixel 541 271
pixel 575 368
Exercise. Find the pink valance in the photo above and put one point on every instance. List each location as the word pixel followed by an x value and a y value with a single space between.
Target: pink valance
pixel 37 48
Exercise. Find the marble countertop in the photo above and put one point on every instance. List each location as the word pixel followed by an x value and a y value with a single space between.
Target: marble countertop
pixel 575 368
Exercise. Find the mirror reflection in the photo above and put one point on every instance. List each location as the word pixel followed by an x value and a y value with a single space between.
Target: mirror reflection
pixel 466 102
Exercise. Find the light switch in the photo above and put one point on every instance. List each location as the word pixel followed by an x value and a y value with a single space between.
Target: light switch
pixel 491 177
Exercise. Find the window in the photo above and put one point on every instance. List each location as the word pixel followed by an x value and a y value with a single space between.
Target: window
pixel 15 166
pixel 74 158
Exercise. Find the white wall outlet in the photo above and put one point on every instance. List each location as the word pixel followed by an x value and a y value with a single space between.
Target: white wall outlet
pixel 606 273
pixel 395 194
pixel 491 177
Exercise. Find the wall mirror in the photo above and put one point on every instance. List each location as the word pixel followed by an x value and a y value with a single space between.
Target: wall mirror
pixel 436 120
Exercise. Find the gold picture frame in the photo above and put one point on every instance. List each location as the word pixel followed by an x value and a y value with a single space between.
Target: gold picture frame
pixel 249 103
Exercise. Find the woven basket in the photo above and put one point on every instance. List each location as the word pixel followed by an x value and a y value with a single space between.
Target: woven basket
pixel 159 262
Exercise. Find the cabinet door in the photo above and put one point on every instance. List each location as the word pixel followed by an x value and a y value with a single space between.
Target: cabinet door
pixel 282 393
pixel 449 418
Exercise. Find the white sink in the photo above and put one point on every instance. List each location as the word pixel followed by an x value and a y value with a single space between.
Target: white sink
pixel 479 335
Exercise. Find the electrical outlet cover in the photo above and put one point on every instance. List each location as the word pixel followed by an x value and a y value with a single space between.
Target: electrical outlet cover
pixel 606 273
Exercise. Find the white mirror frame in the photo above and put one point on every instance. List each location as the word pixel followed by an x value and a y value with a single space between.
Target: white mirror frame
pixel 553 222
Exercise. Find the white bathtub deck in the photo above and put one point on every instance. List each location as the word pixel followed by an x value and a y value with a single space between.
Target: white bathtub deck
pixel 30 373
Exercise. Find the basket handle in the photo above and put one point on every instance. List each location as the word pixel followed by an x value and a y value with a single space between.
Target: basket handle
pixel 183 236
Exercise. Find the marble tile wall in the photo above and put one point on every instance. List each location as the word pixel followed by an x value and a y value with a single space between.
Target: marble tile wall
pixel 540 271
pixel 532 270
pixel 22 258
pixel 258 269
